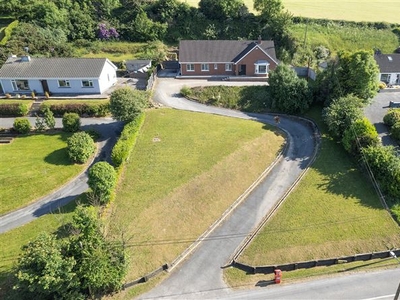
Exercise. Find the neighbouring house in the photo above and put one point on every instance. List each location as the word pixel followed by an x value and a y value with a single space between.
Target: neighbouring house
pixel 389 68
pixel 24 75
pixel 226 58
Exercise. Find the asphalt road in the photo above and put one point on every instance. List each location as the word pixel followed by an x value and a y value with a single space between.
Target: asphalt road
pixel 109 130
pixel 201 271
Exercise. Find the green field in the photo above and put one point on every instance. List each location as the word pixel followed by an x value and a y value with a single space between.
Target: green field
pixel 31 167
pixel 114 51
pixel 355 10
pixel 334 211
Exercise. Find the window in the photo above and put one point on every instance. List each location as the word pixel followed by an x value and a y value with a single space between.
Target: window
pixel 190 67
pixel 215 66
pixel 385 78
pixel 205 67
pixel 228 67
pixel 261 67
pixel 87 83
pixel 63 83
pixel 20 85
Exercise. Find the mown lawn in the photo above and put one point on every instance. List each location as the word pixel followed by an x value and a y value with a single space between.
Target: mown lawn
pixel 334 211
pixel 356 10
pixel 185 171
pixel 31 167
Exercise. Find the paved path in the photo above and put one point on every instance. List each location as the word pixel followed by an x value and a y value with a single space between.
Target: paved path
pixel 201 272
pixel 109 130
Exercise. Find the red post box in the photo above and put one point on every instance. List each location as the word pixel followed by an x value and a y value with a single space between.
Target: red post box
pixel 278 275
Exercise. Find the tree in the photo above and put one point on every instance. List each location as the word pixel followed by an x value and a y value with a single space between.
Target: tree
pixel 360 134
pixel 275 21
pixel 341 113
pixel 49 117
pixel 288 92
pixel 22 125
pixel 101 264
pixel 221 9
pixel 44 272
pixel 126 104
pixel 358 74
pixel 71 122
pixel 392 117
pixel 80 147
pixel 102 181
pixel 40 124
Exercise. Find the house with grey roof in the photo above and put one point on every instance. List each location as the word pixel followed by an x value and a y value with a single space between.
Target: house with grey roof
pixel 204 58
pixel 389 68
pixel 24 75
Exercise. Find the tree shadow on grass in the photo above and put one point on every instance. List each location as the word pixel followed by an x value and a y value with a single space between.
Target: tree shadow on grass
pixel 58 157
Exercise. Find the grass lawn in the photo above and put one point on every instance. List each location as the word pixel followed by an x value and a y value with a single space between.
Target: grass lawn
pixel 114 51
pixel 31 167
pixel 18 101
pixel 355 10
pixel 185 170
pixel 334 211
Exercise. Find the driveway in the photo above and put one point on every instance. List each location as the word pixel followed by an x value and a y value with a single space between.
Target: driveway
pixel 199 274
pixel 377 110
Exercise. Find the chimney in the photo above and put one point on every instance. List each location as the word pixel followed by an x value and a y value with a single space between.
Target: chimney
pixel 259 40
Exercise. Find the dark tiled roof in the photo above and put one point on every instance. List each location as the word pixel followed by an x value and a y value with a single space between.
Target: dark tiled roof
pixel 213 51
pixel 388 63
pixel 17 67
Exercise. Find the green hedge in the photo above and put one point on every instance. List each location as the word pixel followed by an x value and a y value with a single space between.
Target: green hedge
pixel 7 32
pixel 123 147
pixel 86 109
pixel 14 109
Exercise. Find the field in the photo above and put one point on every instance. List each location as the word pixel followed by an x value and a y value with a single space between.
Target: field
pixel 114 51
pixel 333 212
pixel 355 10
pixel 31 167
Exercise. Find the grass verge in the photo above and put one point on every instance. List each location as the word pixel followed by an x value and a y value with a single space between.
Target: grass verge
pixel 185 170
pixel 33 166
pixel 334 211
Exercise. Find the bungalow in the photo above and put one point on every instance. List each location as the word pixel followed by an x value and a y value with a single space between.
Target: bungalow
pixel 389 68
pixel 226 58
pixel 23 75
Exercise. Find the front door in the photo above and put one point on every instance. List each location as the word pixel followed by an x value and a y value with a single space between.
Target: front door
pixel 45 86
pixel 242 69
pixel 1 89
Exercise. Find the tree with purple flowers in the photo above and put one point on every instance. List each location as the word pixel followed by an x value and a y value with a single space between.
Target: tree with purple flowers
pixel 105 33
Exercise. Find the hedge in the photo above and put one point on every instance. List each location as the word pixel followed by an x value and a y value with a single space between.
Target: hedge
pixel 82 109
pixel 14 109
pixel 124 145
pixel 7 32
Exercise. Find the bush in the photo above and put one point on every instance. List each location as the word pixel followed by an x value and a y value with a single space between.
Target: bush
pixel 102 181
pixel 8 32
pixel 14 109
pixel 126 104
pixel 22 125
pixel 392 117
pixel 82 109
pixel 80 147
pixel 123 147
pixel 71 122
pixel 395 131
pixel 186 91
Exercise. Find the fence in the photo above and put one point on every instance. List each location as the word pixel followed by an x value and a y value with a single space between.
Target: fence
pixel 314 263
pixel 152 78
pixel 146 277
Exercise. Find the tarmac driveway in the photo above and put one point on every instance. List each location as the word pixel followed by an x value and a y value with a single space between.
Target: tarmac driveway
pixel 377 110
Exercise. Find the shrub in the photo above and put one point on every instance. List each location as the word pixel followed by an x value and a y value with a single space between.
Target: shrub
pixel 49 118
pixel 22 125
pixel 395 131
pixel 82 109
pixel 382 85
pixel 392 117
pixel 80 147
pixel 186 91
pixel 8 31
pixel 126 104
pixel 14 109
pixel 123 147
pixel 71 122
pixel 40 124
pixel 102 181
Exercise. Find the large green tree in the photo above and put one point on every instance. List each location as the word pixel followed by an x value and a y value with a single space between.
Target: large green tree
pixel 43 272
pixel 360 134
pixel 289 93
pixel 221 9
pixel 126 104
pixel 358 74
pixel 341 113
